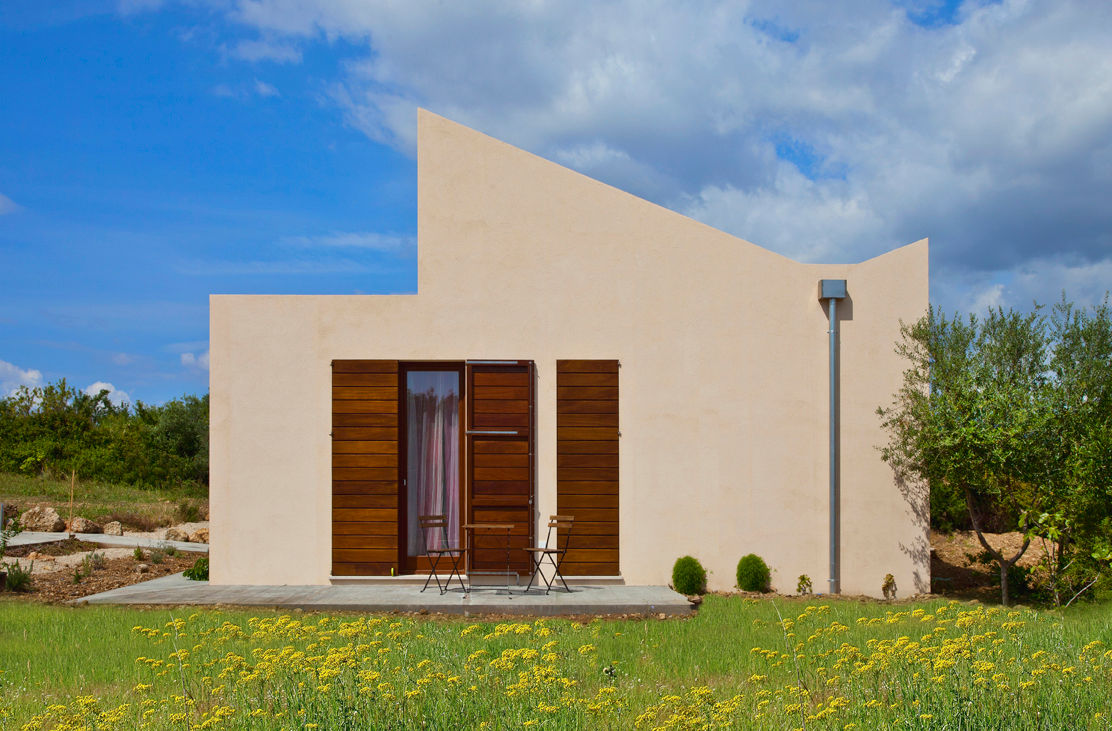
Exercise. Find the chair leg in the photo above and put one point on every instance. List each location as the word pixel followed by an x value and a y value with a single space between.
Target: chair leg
pixel 536 571
pixel 548 582
pixel 456 573
pixel 557 575
pixel 432 575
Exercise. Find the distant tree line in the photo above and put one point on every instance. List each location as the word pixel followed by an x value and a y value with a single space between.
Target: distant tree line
pixel 56 429
pixel 1008 419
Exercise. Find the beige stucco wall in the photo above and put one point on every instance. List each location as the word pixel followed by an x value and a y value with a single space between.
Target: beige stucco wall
pixel 723 346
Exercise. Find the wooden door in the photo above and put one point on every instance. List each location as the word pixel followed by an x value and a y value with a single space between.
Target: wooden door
pixel 500 459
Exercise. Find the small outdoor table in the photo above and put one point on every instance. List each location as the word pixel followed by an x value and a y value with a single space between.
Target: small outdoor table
pixel 470 529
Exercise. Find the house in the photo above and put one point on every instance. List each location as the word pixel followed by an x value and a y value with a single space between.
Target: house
pixel 571 349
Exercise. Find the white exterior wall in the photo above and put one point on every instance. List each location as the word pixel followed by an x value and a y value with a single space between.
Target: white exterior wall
pixel 723 384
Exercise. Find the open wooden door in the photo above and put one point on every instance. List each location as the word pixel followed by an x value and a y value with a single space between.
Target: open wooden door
pixel 500 459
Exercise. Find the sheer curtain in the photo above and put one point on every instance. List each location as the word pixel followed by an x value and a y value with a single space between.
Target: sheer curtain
pixel 432 415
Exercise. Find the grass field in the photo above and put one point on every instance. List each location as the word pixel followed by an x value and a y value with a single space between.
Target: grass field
pixel 740 663
pixel 142 508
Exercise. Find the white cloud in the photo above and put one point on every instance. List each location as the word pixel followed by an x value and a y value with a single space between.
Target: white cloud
pixel 123 359
pixel 12 377
pixel 992 135
pixel 264 89
pixel 257 88
pixel 266 50
pixel 128 7
pixel 355 240
pixel 7 205
pixel 116 396
pixel 277 267
pixel 196 361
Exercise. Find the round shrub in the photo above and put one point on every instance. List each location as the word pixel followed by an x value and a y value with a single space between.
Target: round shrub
pixel 199 571
pixel 689 576
pixel 753 574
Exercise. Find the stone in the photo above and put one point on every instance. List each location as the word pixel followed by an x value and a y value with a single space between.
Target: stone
pixel 142 568
pixel 41 518
pixel 176 534
pixel 36 556
pixel 201 535
pixel 84 525
pixel 115 528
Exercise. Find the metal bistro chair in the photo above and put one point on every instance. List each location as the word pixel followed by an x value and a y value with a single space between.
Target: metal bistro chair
pixel 555 555
pixel 431 523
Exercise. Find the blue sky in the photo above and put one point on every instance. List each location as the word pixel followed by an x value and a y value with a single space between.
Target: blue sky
pixel 152 153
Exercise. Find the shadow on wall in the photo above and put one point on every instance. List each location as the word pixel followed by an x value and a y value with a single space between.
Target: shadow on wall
pixel 844 310
pixel 916 495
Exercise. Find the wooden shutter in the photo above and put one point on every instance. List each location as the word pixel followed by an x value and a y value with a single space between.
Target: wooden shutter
pixel 364 467
pixel 500 413
pixel 587 463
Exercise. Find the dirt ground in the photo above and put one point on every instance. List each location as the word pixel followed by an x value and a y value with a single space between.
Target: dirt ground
pixel 53 566
pixel 57 587
pixel 956 570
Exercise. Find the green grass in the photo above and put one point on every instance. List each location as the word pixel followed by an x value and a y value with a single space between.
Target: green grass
pixel 827 665
pixel 100 501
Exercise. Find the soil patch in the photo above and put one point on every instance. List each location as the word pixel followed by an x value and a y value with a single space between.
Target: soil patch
pixel 57 548
pixel 956 568
pixel 57 587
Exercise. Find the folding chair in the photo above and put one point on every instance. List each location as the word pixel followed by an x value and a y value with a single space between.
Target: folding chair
pixel 433 523
pixel 555 555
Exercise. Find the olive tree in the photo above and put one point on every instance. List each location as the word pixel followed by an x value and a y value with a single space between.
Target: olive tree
pixel 1010 414
pixel 966 410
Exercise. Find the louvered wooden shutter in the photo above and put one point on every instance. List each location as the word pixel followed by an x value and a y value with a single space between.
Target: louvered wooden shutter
pixel 364 467
pixel 587 463
pixel 500 457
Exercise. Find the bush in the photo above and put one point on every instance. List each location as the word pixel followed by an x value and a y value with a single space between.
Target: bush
pixel 188 512
pixel 19 578
pixel 753 574
pixel 199 571
pixel 689 576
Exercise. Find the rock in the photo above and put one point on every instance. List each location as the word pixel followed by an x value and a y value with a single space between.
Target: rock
pixel 41 518
pixel 84 525
pixel 115 528
pixel 36 556
pixel 176 534
pixel 662 615
pixel 201 535
pixel 142 568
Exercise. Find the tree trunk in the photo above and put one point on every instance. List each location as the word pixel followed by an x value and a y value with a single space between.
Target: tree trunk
pixel 1004 582
pixel 1004 563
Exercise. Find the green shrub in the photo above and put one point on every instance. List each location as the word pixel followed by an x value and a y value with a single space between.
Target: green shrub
pixel 188 512
pixel 804 585
pixel 199 571
pixel 19 578
pixel 689 576
pixel 753 574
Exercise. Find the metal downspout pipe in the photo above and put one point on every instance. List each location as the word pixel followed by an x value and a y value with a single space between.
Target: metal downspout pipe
pixel 833 290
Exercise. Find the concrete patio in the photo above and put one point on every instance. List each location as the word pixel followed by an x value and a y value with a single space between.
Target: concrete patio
pixel 403 597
